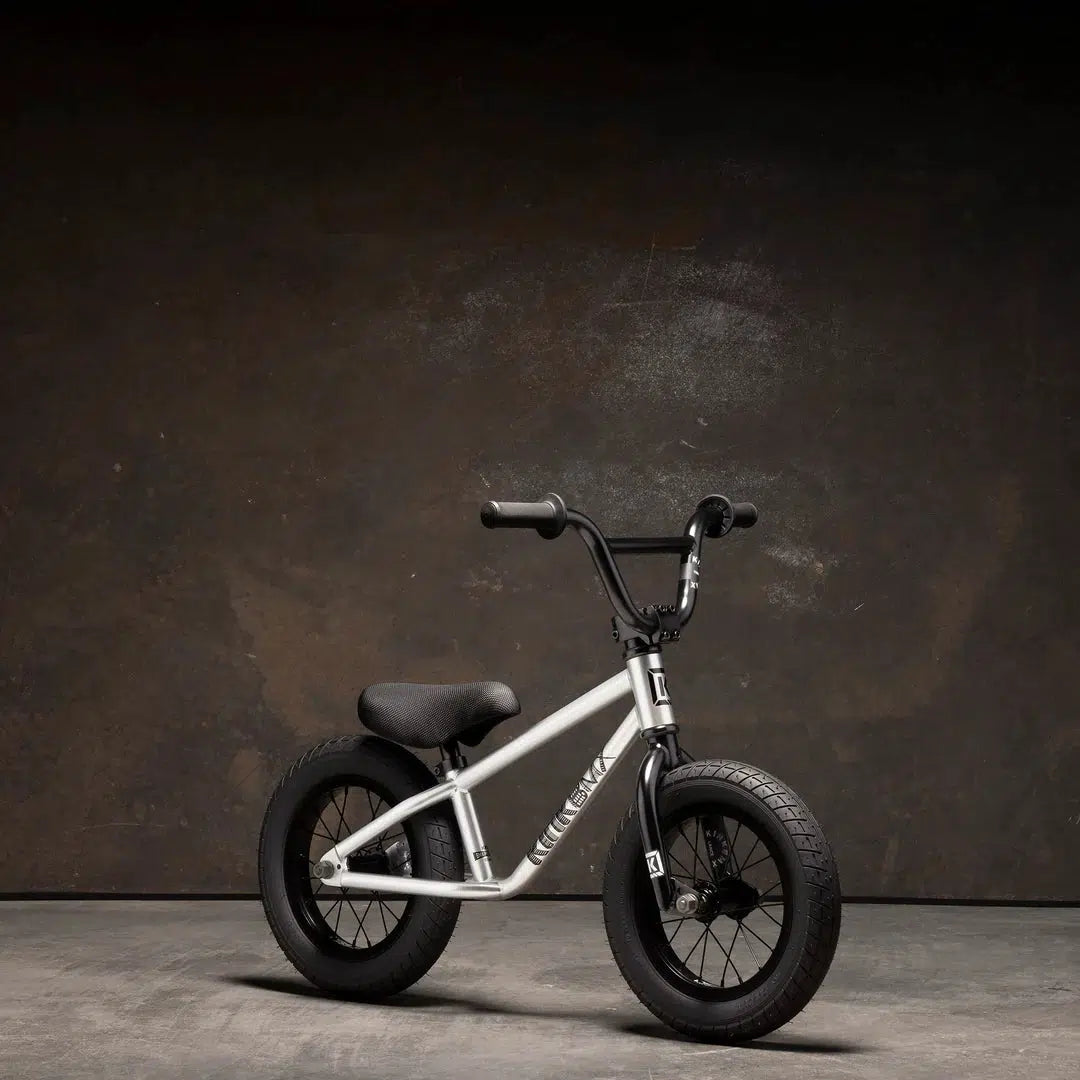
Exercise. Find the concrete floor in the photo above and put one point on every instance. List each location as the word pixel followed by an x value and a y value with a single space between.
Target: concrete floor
pixel 199 989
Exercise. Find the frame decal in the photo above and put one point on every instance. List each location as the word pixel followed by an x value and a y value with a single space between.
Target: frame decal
pixel 658 682
pixel 574 804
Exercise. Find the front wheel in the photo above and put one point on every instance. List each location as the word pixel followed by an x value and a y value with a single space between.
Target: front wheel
pixel 768 917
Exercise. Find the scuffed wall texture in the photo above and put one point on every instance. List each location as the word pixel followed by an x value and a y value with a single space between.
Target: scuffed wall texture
pixel 277 319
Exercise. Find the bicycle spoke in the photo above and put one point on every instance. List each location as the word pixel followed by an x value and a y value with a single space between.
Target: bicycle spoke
pixel 326 827
pixel 689 873
pixel 727 963
pixel 697 836
pixel 686 962
pixel 756 862
pixel 735 865
pixel 360 930
pixel 361 922
pixel 393 914
pixel 749 945
pixel 730 948
pixel 727 955
pixel 712 934
pixel 379 842
pixel 768 916
pixel 352 909
pixel 344 819
pixel 740 868
pixel 315 829
pixel 341 819
pixel 340 822
pixel 731 846
pixel 359 926
pixel 368 908
pixel 758 936
pixel 322 822
pixel 693 851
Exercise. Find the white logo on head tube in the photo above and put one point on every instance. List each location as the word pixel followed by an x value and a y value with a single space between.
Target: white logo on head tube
pixel 659 688
pixel 652 861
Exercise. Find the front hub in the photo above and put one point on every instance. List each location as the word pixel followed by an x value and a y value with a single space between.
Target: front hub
pixel 736 899
pixel 706 901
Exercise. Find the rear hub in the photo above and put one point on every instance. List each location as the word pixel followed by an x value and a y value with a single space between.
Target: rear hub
pixel 396 859
pixel 368 862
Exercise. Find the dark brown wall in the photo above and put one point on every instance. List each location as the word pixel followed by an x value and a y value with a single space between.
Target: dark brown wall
pixel 278 319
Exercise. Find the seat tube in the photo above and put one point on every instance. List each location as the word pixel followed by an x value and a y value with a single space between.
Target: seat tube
pixel 472 839
pixel 651 697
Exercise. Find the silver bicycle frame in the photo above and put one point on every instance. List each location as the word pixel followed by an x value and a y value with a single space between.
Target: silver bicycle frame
pixel 644 678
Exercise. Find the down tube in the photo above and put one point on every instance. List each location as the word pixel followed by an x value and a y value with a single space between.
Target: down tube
pixel 561 824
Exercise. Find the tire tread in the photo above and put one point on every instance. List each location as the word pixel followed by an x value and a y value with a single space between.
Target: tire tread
pixel 823 914
pixel 437 916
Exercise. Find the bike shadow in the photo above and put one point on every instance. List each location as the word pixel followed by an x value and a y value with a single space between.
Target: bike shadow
pixel 782 1043
pixel 466 1003
pixel 409 999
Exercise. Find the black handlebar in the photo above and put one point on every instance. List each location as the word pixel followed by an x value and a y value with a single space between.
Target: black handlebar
pixel 649 545
pixel 714 516
pixel 547 517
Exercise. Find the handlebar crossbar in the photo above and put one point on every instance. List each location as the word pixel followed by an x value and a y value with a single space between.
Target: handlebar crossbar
pixel 714 516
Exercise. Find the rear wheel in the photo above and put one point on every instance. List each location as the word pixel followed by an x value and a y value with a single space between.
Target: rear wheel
pixel 348 941
pixel 763 936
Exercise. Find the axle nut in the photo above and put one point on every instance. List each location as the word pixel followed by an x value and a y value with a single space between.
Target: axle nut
pixel 686 903
pixel 323 869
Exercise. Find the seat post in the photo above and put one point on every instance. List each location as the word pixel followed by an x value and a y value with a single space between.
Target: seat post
pixel 452 757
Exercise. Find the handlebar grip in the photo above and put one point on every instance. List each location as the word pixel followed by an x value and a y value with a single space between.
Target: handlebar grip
pixel 547 517
pixel 743 515
pixel 720 515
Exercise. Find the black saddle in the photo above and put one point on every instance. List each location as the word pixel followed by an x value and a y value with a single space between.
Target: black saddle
pixel 423 716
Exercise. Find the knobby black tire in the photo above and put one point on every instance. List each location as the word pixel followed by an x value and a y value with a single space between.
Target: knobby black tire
pixel 805 958
pixel 436 852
